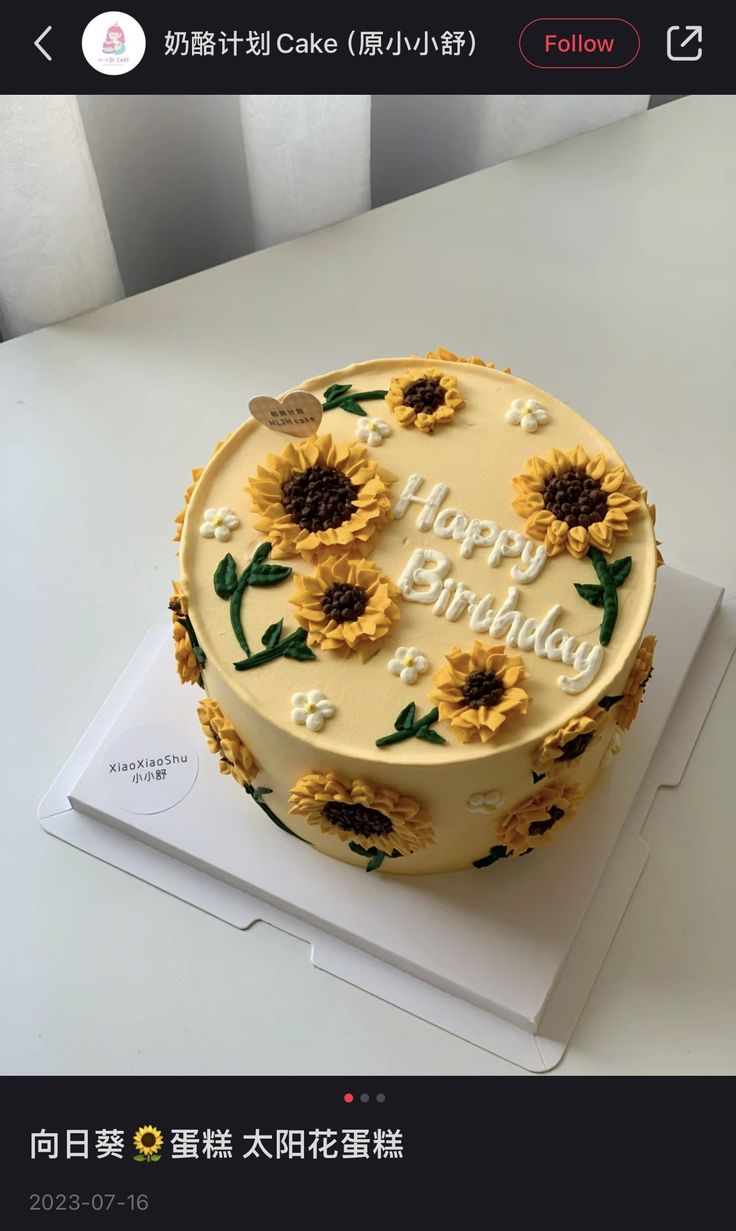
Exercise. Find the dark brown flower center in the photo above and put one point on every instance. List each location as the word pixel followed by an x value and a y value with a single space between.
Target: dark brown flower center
pixel 320 498
pixel 425 395
pixel 575 747
pixel 575 498
pixel 148 1139
pixel 555 814
pixel 356 818
pixel 482 688
pixel 342 602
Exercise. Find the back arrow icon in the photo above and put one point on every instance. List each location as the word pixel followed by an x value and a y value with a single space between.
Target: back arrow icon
pixel 38 42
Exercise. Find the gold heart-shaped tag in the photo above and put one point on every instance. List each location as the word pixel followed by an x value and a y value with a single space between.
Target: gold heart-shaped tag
pixel 297 414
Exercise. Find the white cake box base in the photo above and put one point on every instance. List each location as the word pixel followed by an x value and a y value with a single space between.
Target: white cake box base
pixel 503 956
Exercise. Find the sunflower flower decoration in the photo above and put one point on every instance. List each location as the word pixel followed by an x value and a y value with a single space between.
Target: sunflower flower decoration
pixel 347 606
pixel 362 812
pixel 189 668
pixel 425 398
pixel 222 738
pixel 477 690
pixel 536 821
pixel 566 745
pixel 320 496
pixel 573 502
pixel 628 707
pixel 441 353
pixel 148 1142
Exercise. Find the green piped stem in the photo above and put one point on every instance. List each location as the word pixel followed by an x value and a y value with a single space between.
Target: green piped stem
pixel 292 646
pixel 370 396
pixel 236 619
pixel 256 794
pixel 197 650
pixel 610 597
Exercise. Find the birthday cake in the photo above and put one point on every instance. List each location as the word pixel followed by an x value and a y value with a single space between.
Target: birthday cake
pixel 414 593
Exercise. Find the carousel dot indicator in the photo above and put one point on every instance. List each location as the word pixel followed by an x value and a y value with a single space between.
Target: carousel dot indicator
pixel 348 1098
pixel 365 1098
pixel 380 1098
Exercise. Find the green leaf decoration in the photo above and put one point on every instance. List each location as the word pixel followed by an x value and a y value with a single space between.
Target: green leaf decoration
pixel 261 553
pixel 199 654
pixel 591 593
pixel 272 635
pixel 537 777
pixel 620 569
pixel 226 577
pixel 269 574
pixel 298 650
pixel 607 703
pixel 335 391
pixel 432 737
pixel 430 717
pixel 139 1158
pixel 259 791
pixel 352 407
pixel 154 1158
pixel 495 853
pixel 405 719
pixel 373 855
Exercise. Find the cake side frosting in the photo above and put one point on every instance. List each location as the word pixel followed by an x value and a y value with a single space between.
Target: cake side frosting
pixel 418 616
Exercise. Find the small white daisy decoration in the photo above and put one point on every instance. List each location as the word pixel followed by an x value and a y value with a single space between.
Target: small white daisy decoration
pixel 529 414
pixel 311 710
pixel 218 523
pixel 485 802
pixel 408 664
pixel 372 431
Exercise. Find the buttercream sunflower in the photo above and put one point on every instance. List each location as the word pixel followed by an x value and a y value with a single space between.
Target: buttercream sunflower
pixel 235 758
pixel 573 502
pixel 566 745
pixel 652 511
pixel 189 670
pixel 360 811
pixel 347 605
pixel 633 695
pixel 320 496
pixel 441 353
pixel 148 1140
pixel 536 821
pixel 197 473
pixel 477 690
pixel 425 398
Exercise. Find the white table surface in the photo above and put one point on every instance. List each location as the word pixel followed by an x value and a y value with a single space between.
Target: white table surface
pixel 601 268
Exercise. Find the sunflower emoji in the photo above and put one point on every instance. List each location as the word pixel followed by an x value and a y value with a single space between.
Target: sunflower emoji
pixel 148 1142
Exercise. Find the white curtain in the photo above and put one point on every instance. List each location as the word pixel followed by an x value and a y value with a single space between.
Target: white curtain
pixel 56 255
pixel 308 159
pixel 104 192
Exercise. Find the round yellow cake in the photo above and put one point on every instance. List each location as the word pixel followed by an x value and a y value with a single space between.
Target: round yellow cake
pixel 420 628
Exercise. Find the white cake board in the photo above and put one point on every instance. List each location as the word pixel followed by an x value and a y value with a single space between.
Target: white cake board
pixel 503 956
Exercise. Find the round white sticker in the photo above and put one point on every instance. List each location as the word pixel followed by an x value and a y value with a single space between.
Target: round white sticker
pixel 150 768
pixel 113 43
